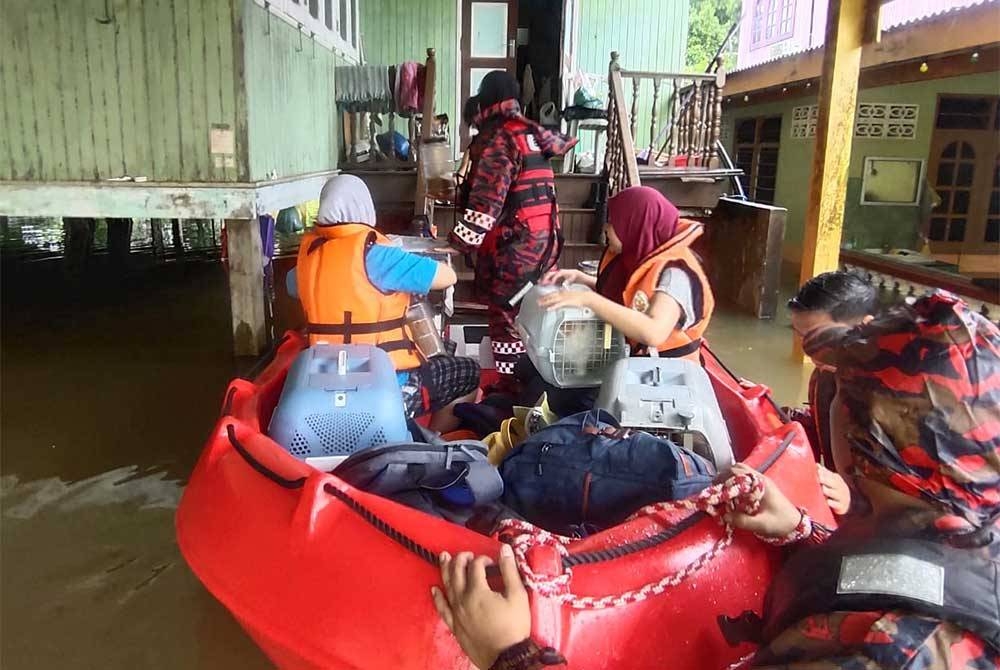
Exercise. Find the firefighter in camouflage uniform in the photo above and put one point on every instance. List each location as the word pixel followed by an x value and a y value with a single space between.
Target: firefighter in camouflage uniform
pixel 508 214
pixel 916 426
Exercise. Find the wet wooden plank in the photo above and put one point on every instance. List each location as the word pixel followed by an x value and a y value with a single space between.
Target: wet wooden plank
pixel 137 97
pixel 70 84
pixel 188 124
pixel 62 120
pixel 193 85
pixel 110 85
pixel 34 107
pixel 228 75
pixel 95 34
pixel 8 116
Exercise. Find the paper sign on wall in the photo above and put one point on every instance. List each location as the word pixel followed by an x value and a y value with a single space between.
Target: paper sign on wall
pixel 222 145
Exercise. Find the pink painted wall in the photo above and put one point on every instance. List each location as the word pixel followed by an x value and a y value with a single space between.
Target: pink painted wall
pixel 810 21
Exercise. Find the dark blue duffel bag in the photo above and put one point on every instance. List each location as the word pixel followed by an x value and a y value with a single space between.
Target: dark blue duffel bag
pixel 586 473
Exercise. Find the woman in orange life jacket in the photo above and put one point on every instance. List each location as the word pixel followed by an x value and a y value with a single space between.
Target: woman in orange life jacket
pixel 651 286
pixel 356 288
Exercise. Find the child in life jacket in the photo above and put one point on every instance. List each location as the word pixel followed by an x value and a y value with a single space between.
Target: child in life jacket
pixel 509 217
pixel 356 288
pixel 909 582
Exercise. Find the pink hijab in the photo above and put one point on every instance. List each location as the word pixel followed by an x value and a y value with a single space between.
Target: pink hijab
pixel 644 220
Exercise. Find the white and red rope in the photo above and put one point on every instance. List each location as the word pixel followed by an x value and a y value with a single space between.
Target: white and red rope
pixel 742 493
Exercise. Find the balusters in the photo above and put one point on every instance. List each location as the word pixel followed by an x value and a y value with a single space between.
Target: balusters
pixel 675 123
pixel 692 141
pixel 704 111
pixel 713 153
pixel 652 121
pixel 635 109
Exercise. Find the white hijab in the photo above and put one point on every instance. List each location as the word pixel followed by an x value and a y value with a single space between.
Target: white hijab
pixel 345 199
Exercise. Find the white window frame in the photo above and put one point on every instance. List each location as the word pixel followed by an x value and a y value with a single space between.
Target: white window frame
pixel 921 176
pixel 313 28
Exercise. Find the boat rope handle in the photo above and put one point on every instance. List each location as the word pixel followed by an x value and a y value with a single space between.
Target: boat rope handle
pixel 742 492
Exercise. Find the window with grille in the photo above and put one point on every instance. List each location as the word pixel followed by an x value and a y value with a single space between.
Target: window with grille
pixel 966 113
pixel 333 24
pixel 956 173
pixel 757 144
pixel 993 213
pixel 773 21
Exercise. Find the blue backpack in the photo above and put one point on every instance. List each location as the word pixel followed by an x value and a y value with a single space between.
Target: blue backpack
pixel 585 473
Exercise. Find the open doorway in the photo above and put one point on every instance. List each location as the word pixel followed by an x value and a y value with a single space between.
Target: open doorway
pixel 532 39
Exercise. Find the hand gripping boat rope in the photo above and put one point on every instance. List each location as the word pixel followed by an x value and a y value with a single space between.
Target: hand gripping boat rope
pixel 741 493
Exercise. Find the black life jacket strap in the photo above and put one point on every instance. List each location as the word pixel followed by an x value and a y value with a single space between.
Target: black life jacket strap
pixel 349 327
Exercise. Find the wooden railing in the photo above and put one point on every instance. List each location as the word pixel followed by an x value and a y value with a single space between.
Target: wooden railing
pixel 688 136
pixel 900 281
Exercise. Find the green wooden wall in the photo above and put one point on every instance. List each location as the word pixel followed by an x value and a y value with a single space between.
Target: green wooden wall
pixel 865 226
pixel 650 35
pixel 393 31
pixel 292 123
pixel 88 101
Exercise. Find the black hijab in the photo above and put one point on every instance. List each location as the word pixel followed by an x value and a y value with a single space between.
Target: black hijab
pixel 497 86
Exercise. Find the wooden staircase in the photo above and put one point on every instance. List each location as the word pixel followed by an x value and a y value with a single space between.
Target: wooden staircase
pixel 743 255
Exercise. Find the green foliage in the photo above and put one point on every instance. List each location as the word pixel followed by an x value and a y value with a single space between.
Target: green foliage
pixel 708 25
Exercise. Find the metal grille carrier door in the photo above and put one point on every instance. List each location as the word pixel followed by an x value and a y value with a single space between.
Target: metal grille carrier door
pixel 570 347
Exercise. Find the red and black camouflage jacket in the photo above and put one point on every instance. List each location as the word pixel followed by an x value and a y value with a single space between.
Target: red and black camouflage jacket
pixel 509 149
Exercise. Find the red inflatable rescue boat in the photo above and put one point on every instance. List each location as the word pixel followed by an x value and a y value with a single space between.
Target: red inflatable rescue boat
pixel 323 575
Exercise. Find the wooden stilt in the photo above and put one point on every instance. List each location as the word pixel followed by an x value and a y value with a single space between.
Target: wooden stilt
pixel 246 287
pixel 845 35
pixel 119 240
pixel 156 233
pixel 78 243
pixel 177 237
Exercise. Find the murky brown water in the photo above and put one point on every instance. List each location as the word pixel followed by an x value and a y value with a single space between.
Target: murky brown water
pixel 109 388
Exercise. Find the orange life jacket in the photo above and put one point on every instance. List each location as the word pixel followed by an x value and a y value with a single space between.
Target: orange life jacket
pixel 641 287
pixel 342 305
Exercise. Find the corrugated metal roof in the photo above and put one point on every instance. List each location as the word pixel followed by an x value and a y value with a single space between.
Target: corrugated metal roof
pixel 895 14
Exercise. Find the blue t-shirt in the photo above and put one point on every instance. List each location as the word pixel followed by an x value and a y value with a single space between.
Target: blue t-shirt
pixel 389 269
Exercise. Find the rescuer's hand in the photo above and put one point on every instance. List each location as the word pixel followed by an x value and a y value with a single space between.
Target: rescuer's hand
pixel 777 516
pixel 484 622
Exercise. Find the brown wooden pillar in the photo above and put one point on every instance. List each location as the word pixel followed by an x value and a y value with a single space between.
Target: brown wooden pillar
pixel 246 287
pixel 847 23
pixel 421 204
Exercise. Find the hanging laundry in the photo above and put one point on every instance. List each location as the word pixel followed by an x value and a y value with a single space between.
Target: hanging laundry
pixel 364 88
pixel 410 87
pixel 527 88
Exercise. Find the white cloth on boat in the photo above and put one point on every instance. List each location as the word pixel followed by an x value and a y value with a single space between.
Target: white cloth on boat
pixel 345 199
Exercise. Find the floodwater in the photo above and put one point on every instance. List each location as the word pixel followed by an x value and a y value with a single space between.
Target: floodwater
pixel 110 384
